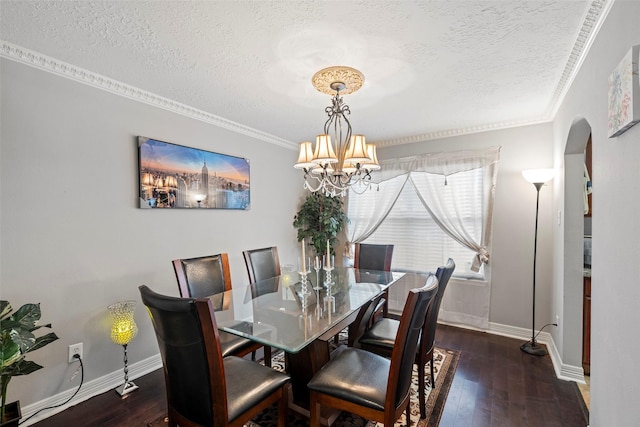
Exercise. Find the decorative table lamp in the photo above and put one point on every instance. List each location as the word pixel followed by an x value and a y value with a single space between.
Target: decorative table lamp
pixel 123 330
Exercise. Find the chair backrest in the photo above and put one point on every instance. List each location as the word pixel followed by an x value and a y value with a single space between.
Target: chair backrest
pixel 191 356
pixel 429 330
pixel 373 257
pixel 406 344
pixel 262 263
pixel 203 276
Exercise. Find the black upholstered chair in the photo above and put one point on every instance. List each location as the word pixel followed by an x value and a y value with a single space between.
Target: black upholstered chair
pixel 208 275
pixel 203 276
pixel 262 263
pixel 381 337
pixel 203 387
pixel 375 257
pixel 368 384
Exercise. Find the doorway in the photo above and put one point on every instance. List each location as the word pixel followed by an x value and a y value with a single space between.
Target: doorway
pixel 575 302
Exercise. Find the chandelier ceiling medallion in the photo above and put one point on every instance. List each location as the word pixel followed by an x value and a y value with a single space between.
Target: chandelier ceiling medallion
pixel 340 160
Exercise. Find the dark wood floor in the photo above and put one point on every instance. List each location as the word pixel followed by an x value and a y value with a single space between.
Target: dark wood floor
pixel 495 384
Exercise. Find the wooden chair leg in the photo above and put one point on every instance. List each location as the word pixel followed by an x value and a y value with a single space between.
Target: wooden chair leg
pixel 283 406
pixel 408 414
pixel 267 356
pixel 433 376
pixel 314 411
pixel 385 308
pixel 421 393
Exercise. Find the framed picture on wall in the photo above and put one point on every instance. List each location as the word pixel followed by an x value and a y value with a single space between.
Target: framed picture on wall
pixel 173 176
pixel 624 94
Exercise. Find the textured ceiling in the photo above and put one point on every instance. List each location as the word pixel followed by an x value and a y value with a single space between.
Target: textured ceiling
pixel 431 68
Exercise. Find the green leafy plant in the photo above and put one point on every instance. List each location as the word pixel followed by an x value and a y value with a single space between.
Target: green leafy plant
pixel 320 218
pixel 16 340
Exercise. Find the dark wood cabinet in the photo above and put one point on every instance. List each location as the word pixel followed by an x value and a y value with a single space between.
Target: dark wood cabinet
pixel 586 326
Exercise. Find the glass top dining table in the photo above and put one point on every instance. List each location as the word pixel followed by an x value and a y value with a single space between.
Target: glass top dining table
pixel 290 311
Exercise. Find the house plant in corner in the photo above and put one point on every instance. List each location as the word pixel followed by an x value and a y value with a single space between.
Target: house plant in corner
pixel 17 339
pixel 320 218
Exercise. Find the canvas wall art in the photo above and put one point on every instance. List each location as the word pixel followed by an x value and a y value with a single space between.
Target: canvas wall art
pixel 624 94
pixel 173 176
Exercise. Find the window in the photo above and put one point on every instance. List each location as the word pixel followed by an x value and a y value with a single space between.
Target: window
pixel 419 242
pixel 435 207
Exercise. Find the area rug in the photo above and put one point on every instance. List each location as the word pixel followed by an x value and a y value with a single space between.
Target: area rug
pixel 445 364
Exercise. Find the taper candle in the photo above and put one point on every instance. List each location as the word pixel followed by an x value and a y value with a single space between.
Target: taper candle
pixel 304 263
pixel 328 255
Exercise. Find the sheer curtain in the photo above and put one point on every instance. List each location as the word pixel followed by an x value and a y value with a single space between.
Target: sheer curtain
pixel 456 190
pixel 443 181
pixel 364 218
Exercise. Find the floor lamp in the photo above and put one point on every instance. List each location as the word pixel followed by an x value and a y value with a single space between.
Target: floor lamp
pixel 538 177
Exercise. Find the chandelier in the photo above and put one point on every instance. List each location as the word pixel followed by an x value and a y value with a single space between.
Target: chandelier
pixel 339 160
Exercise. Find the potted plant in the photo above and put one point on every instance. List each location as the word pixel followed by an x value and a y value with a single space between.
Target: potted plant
pixel 17 339
pixel 320 218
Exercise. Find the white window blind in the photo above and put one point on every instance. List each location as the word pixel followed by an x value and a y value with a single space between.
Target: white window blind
pixel 419 242
pixel 431 207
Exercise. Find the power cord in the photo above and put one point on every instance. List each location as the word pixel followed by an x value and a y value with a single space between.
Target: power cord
pixel 75 356
pixel 548 324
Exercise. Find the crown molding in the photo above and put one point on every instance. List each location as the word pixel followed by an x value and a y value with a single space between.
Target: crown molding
pixel 593 20
pixel 37 60
pixel 591 25
pixel 458 132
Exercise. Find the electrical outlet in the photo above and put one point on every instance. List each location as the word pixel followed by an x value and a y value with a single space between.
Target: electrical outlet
pixel 73 350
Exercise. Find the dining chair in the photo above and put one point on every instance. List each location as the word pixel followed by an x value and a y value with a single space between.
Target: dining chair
pixel 208 275
pixel 203 387
pixel 381 337
pixel 370 385
pixel 375 257
pixel 262 263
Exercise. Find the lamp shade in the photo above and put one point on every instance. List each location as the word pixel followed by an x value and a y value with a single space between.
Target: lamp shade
pixel 305 157
pixel 372 164
pixel 123 328
pixel 538 176
pixel 357 150
pixel 348 167
pixel 324 150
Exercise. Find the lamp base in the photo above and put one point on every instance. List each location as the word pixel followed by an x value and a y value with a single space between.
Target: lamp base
pixel 534 348
pixel 126 388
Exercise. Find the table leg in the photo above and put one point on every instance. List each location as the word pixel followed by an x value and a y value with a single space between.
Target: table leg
pixel 302 366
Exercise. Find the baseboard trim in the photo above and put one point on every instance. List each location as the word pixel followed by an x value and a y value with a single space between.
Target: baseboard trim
pixel 563 371
pixel 88 390
pixel 138 369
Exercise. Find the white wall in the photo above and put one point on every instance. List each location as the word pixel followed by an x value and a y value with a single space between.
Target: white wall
pixel 616 229
pixel 73 238
pixel 511 260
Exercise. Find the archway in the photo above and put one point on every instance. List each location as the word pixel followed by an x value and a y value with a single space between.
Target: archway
pixel 572 292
